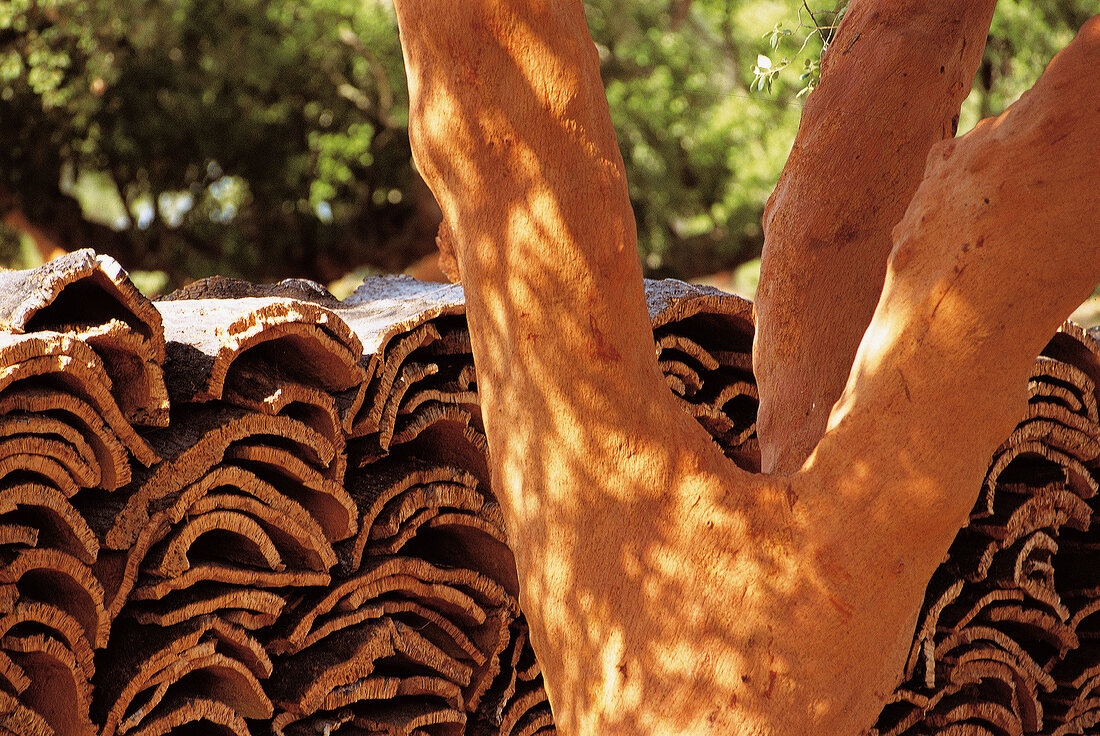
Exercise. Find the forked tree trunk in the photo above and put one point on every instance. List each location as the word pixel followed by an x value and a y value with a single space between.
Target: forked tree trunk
pixel 892 83
pixel 668 591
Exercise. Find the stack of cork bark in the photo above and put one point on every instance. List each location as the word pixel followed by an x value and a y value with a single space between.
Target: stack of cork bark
pixel 1008 641
pixel 250 509
pixel 258 509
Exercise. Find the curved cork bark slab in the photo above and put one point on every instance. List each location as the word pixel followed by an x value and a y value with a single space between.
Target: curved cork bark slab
pixel 299 535
pixel 388 370
pixel 219 543
pixel 515 699
pixel 137 374
pixel 456 613
pixel 1079 348
pixel 385 306
pixel 389 690
pixel 55 578
pixel 1075 707
pixel 300 543
pixel 59 691
pixel 110 453
pixel 19 720
pixel 1060 383
pixel 77 288
pixel 304 682
pixel 432 362
pixel 1016 517
pixel 198 441
pixel 464 597
pixel 224 287
pixel 452 383
pixel 248 608
pixel 498 664
pixel 398 498
pixel 260 455
pixel 151 588
pixel 37 442
pixel 53 518
pixel 704 349
pixel 179 712
pixel 226 448
pixel 58 625
pixel 302 339
pixel 266 390
pixel 410 374
pixel 393 317
pixel 153 664
pixel 439 404
pixel 240 539
pixel 56 362
pixel 398 715
pixel 92 298
pixel 670 301
pixel 527 712
pixel 444 434
pixel 251 492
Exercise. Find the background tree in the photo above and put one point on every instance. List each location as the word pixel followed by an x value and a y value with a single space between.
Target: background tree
pixel 243 136
pixel 262 140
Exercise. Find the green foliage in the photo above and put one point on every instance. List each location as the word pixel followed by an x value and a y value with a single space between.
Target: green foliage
pixel 701 154
pixel 267 139
pixel 222 126
pixel 815 29
pixel 1023 37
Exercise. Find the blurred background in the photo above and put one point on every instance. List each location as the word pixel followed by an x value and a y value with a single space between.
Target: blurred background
pixel 268 139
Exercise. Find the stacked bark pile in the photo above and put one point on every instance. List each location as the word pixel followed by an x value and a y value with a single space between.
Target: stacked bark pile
pixel 1009 640
pixel 303 540
pixel 257 509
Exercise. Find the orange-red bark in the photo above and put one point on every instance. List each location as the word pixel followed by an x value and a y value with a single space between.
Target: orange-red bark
pixel 667 590
pixel 892 83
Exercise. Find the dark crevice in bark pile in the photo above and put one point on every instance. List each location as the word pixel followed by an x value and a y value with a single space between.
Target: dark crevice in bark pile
pixel 1007 641
pixel 306 540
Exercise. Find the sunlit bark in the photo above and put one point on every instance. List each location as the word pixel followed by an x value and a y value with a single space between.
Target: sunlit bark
pixel 892 83
pixel 667 590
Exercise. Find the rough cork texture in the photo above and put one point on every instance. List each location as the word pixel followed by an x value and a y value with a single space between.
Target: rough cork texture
pixel 206 336
pixel 91 297
pixel 273 570
pixel 323 476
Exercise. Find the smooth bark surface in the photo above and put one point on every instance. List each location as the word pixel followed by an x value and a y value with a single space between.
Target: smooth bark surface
pixel 892 83
pixel 667 590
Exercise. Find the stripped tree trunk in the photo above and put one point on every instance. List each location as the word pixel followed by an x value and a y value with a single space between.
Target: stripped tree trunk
pixel 711 600
pixel 892 83
pixel 314 538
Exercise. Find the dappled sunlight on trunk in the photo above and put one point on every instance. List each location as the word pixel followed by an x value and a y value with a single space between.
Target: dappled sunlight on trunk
pixel 668 590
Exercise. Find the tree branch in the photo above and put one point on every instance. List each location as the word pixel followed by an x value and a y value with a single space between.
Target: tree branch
pixel 892 83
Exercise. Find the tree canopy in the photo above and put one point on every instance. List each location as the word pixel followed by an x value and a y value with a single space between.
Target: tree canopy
pixel 270 139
